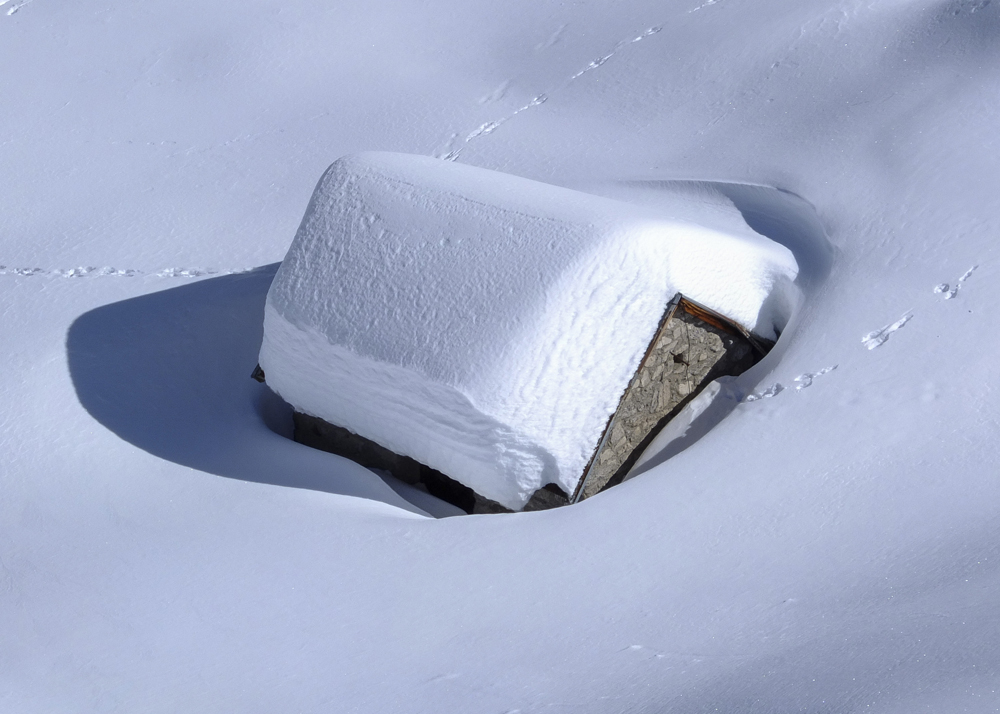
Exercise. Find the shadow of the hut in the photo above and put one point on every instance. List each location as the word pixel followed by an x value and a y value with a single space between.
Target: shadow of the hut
pixel 170 373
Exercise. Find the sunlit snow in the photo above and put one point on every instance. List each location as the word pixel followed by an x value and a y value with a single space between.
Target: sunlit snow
pixel 164 547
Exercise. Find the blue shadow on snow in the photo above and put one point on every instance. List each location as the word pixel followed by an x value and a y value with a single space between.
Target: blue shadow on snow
pixel 170 373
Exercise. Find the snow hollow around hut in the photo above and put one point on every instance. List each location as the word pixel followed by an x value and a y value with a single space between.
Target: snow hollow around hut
pixel 487 325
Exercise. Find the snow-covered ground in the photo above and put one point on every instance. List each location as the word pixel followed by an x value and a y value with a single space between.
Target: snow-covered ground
pixel 831 545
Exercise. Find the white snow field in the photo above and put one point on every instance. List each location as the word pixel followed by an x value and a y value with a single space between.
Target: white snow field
pixel 831 545
pixel 487 325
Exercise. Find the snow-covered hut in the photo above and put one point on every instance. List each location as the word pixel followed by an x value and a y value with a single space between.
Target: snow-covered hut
pixel 505 341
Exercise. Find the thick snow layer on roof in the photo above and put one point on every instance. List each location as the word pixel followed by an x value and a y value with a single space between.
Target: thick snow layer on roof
pixel 487 325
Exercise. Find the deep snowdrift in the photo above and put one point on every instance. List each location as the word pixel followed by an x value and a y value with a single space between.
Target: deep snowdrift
pixel 487 325
pixel 831 548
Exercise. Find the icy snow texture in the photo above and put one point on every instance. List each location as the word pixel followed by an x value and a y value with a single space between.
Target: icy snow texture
pixel 486 324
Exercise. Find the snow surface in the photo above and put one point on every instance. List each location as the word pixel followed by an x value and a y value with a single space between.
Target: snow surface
pixel 832 549
pixel 487 325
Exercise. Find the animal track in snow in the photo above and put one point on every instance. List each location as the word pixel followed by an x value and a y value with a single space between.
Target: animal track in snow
pixel 78 272
pixel 624 43
pixel 801 382
pixel 198 272
pixel 451 151
pixel 17 6
pixel 110 272
pixel 877 338
pixel 593 65
pixel 707 3
pixel 772 391
pixel 491 126
pixel 806 380
pixel 453 148
pixel 950 292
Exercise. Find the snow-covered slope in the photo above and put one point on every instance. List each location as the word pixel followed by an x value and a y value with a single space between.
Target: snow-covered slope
pixel 831 548
pixel 487 325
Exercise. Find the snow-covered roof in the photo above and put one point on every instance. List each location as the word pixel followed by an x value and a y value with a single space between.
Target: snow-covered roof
pixel 486 325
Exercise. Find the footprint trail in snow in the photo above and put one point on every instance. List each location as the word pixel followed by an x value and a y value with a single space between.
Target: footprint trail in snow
pixel 111 272
pixel 873 339
pixel 806 380
pixel 708 3
pixel 801 382
pixel 624 43
pixel 772 391
pixel 15 7
pixel 877 338
pixel 948 291
pixel 456 144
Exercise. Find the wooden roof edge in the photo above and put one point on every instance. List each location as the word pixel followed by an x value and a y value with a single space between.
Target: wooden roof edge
pixel 761 345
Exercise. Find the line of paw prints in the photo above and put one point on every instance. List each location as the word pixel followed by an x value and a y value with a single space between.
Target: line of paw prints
pixel 112 272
